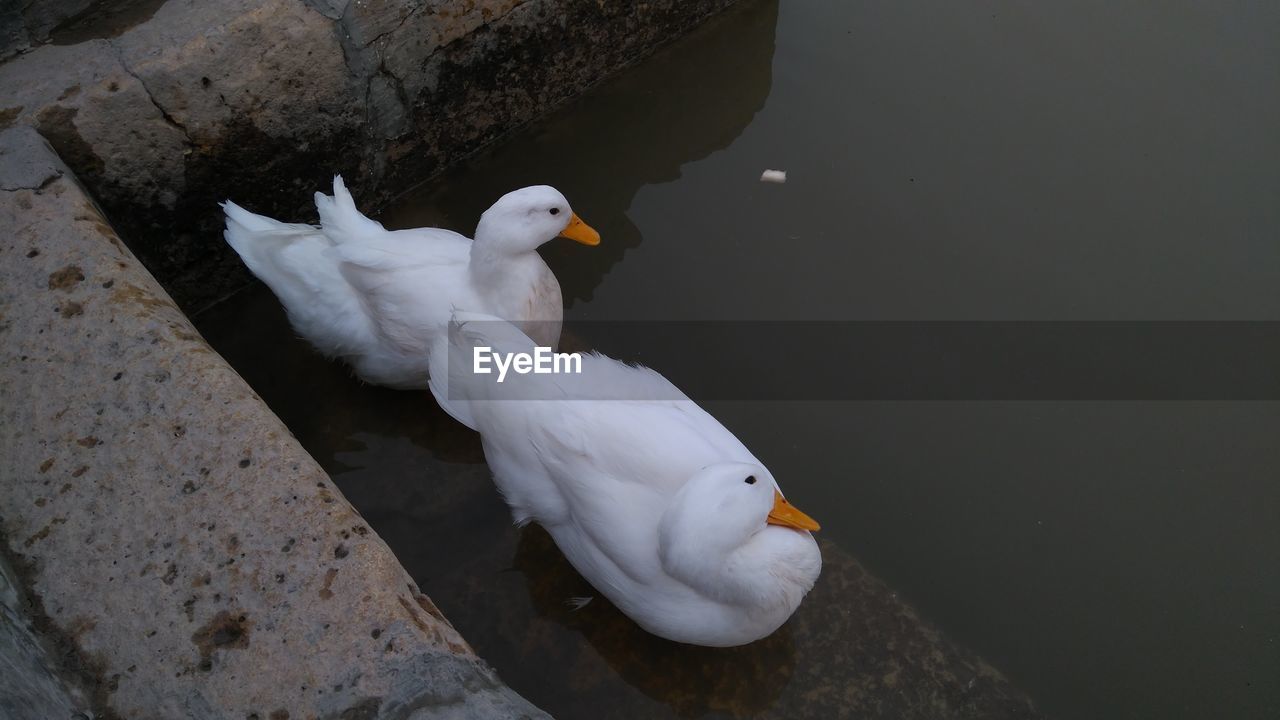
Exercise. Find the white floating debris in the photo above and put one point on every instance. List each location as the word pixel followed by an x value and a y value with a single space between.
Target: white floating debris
pixel 774 176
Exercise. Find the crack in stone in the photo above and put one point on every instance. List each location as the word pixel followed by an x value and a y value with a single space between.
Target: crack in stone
pixel 367 65
pixel 399 25
pixel 172 121
pixel 362 59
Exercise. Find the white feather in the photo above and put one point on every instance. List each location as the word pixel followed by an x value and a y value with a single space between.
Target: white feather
pixel 623 470
pixel 380 299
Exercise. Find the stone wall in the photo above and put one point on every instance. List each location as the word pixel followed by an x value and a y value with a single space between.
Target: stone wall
pixel 184 554
pixel 264 100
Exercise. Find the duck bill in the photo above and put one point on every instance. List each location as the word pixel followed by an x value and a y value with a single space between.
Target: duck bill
pixel 579 231
pixel 786 515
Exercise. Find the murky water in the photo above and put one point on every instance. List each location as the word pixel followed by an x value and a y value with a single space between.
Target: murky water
pixel 946 161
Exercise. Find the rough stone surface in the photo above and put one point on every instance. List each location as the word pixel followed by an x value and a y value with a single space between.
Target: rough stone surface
pixel 31 684
pixel 28 23
pixel 24 23
pixel 14 36
pixel 187 556
pixel 102 121
pixel 274 64
pixel 185 103
pixel 43 16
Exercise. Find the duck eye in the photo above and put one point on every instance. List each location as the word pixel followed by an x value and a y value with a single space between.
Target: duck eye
pixel 751 480
pixel 555 211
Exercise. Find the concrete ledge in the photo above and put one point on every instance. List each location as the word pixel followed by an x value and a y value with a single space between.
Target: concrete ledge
pixel 266 99
pixel 189 557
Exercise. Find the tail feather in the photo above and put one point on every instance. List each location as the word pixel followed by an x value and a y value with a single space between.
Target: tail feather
pixel 248 221
pixel 256 238
pixel 340 218
pixel 292 259
pixel 254 223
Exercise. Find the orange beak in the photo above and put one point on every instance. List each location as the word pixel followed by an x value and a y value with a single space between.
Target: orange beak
pixel 579 231
pixel 786 515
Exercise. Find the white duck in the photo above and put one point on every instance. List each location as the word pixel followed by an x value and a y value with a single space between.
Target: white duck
pixel 650 498
pixel 381 299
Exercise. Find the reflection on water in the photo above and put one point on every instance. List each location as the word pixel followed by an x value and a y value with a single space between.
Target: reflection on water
pixel 691 681
pixel 945 161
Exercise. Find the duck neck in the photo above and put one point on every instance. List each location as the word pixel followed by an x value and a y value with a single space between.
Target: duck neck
pixel 495 255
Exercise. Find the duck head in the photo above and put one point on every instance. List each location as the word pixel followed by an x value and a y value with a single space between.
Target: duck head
pixel 730 534
pixel 524 219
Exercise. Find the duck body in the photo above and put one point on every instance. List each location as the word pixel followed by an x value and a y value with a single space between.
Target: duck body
pixel 643 491
pixel 380 300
